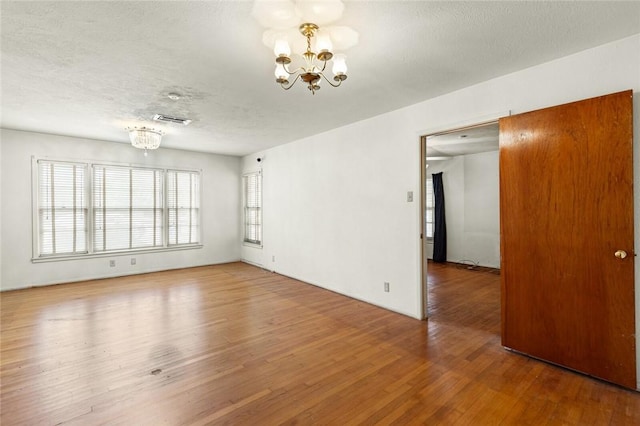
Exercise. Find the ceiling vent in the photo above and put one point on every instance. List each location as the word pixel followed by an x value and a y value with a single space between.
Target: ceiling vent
pixel 174 120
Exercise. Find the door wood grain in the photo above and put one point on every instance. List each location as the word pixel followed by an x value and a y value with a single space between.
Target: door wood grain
pixel 566 207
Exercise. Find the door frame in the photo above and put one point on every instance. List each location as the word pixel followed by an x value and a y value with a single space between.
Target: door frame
pixel 422 138
pixel 423 294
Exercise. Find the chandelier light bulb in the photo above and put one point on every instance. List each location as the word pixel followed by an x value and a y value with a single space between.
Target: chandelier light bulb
pixel 282 48
pixel 323 43
pixel 281 73
pixel 339 65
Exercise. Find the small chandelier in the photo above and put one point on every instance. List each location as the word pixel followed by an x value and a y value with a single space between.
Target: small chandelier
pixel 285 20
pixel 145 137
pixel 312 71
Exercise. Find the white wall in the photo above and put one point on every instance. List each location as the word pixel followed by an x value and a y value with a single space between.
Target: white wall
pixel 220 206
pixel 472 207
pixel 335 213
pixel 335 203
pixel 482 209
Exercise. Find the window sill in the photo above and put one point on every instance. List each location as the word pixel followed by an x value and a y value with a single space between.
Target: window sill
pixel 114 253
pixel 256 246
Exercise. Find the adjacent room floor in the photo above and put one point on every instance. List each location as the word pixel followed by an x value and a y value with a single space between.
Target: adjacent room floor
pixel 234 344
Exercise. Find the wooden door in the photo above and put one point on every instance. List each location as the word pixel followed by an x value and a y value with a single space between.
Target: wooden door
pixel 566 208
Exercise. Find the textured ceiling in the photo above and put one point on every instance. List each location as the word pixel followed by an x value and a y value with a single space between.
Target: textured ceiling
pixel 91 68
pixel 472 140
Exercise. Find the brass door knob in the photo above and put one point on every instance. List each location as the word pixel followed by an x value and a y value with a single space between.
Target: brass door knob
pixel 620 254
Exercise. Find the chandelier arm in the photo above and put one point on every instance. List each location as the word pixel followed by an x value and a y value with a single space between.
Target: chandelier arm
pixel 297 70
pixel 292 83
pixel 329 81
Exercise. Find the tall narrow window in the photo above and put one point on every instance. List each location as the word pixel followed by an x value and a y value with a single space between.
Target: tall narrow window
pixel 253 208
pixel 183 207
pixel 62 208
pixel 127 208
pixel 429 205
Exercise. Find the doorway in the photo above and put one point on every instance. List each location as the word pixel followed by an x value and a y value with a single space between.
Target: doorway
pixel 467 157
pixel 566 242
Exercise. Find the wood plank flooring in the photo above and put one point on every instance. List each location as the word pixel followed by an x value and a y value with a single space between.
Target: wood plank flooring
pixel 233 344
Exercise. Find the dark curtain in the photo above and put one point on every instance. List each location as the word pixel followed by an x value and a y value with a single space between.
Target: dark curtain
pixel 440 226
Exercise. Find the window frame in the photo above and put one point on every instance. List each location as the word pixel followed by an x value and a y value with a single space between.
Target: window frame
pixel 245 241
pixel 95 167
pixel 35 211
pixel 88 188
pixel 166 212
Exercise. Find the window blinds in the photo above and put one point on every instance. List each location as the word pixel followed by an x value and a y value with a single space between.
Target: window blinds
pixel 127 208
pixel 252 208
pixel 84 208
pixel 429 209
pixel 62 208
pixel 183 207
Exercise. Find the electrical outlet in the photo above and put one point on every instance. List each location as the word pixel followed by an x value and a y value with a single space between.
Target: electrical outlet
pixel 273 258
pixel 112 263
pixel 133 260
pixel 410 197
pixel 386 287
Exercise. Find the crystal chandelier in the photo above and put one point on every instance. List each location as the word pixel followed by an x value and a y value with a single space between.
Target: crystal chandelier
pixel 145 137
pixel 285 20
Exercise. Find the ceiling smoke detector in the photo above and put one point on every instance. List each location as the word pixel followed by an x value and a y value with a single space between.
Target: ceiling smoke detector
pixel 174 120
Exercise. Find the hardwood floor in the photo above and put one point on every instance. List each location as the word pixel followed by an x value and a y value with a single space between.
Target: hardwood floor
pixel 233 344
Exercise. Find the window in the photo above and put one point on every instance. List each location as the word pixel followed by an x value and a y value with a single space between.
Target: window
pixel 85 209
pixel 253 208
pixel 127 208
pixel 429 205
pixel 62 208
pixel 183 203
